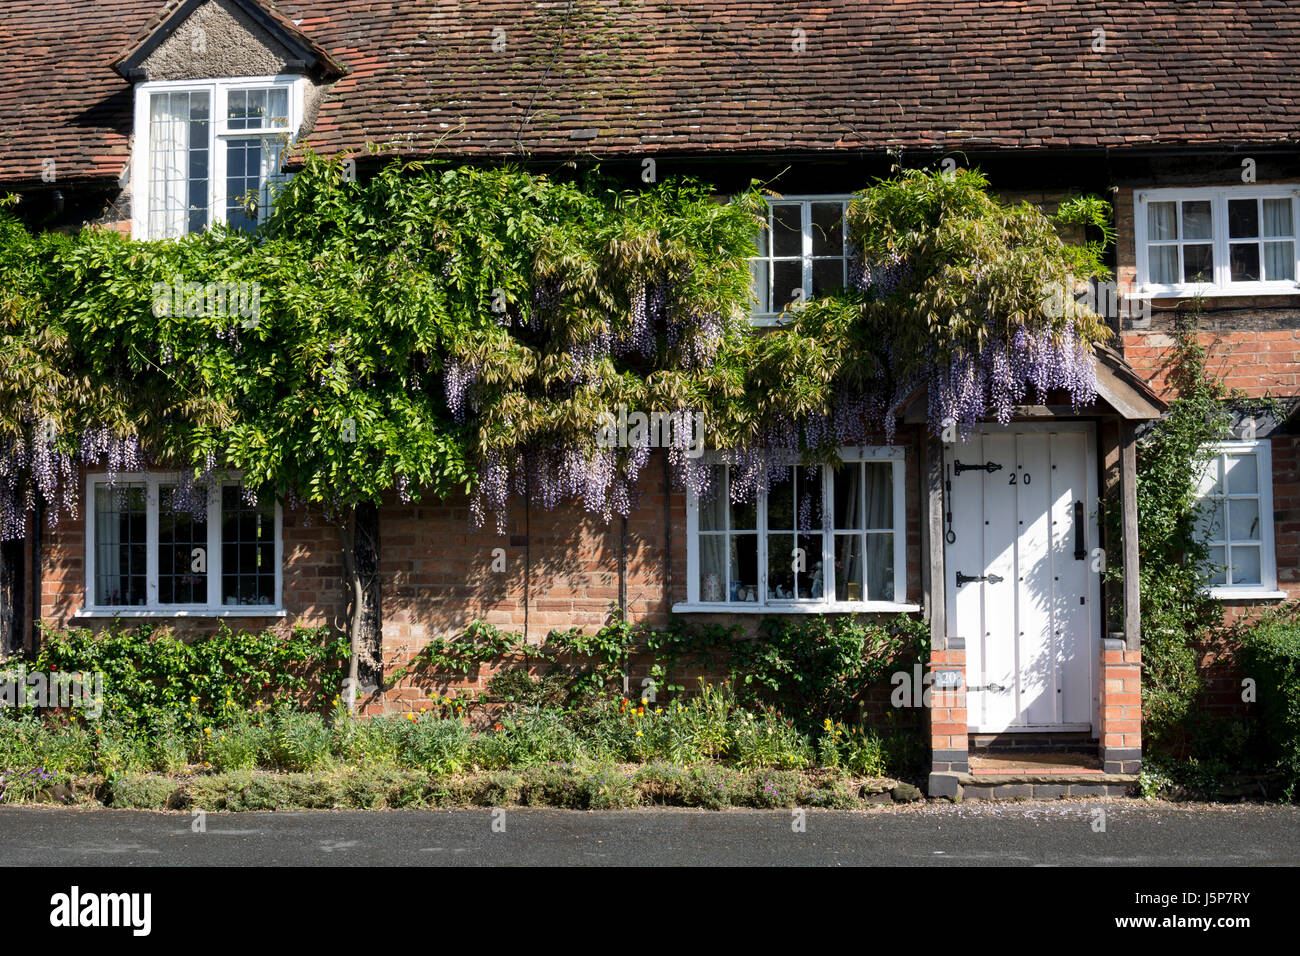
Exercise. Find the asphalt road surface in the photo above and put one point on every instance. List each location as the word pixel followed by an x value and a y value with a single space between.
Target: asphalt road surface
pixel 1061 834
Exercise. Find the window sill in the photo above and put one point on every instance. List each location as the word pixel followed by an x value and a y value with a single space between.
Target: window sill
pixel 1213 292
pixel 753 607
pixel 1245 594
pixel 108 612
pixel 770 321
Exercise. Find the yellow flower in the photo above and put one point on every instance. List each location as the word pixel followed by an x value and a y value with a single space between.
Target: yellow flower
pixel 193 699
pixel 208 731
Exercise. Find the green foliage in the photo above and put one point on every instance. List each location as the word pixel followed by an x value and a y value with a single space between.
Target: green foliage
pixel 858 750
pixel 970 271
pixel 296 742
pixel 436 746
pixel 153 678
pixel 1269 654
pixel 809 668
pixel 1173 561
pixel 816 668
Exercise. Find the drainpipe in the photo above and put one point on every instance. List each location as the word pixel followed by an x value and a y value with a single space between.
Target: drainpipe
pixel 528 551
pixel 38 518
pixel 622 589
pixel 668 537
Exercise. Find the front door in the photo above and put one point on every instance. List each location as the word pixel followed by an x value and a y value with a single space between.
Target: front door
pixel 1022 584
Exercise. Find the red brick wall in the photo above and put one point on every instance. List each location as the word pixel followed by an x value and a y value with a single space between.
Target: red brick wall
pixel 1252 344
pixel 436 575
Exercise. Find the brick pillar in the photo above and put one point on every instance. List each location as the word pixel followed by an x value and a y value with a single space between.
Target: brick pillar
pixel 1121 707
pixel 949 750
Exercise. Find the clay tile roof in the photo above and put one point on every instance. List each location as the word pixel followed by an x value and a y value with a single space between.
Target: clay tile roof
pixel 610 77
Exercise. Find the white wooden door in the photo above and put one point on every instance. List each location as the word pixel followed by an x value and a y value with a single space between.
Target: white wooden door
pixel 1023 586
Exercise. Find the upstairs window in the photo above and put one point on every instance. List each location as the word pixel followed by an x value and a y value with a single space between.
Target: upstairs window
pixel 802 254
pixel 1233 241
pixel 210 152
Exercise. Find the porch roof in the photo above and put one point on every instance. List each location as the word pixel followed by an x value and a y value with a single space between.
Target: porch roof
pixel 1120 390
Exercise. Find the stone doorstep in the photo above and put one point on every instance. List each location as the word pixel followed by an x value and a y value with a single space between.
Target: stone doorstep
pixel 1029 786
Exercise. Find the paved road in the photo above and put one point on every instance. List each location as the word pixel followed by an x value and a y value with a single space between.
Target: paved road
pixel 1060 834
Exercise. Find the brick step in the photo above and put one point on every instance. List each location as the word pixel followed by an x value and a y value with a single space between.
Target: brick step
pixel 1081 742
pixel 1049 764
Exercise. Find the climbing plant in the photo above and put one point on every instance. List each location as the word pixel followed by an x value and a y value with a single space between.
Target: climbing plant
pixel 951 290
pixel 432 329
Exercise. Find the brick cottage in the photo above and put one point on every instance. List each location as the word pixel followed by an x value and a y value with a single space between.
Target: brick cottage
pixel 150 118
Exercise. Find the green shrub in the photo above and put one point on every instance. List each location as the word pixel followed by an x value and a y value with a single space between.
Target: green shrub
pixel 436 746
pixel 135 791
pixel 776 788
pixel 817 667
pixel 526 739
pixel 119 749
pixel 857 750
pixel 23 786
pixel 767 740
pixel 55 744
pixel 153 676
pixel 171 752
pixel 298 742
pixel 370 741
pixel 238 747
pixel 1270 655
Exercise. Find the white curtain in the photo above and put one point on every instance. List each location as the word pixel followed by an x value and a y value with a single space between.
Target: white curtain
pixel 169 150
pixel 713 547
pixel 1279 257
pixel 172 118
pixel 879 513
pixel 108 548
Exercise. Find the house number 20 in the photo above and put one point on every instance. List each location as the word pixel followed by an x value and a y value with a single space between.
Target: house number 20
pixel 1028 478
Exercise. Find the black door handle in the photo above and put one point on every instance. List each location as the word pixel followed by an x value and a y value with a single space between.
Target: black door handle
pixel 1080 552
pixel 971 579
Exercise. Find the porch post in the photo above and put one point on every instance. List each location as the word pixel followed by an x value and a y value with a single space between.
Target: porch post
pixel 947 697
pixel 1119 674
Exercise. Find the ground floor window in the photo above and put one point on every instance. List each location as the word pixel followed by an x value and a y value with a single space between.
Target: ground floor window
pixel 821 536
pixel 157 544
pixel 1235 519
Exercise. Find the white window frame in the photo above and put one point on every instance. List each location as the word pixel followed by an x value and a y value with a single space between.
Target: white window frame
pixel 1218 198
pixel 152 608
pixel 767 319
pixel 219 91
pixel 894 454
pixel 1262 449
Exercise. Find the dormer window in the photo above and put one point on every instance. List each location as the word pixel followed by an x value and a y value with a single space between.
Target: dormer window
pixel 210 151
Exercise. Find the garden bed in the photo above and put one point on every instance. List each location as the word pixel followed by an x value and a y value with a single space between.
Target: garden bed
pixel 567 785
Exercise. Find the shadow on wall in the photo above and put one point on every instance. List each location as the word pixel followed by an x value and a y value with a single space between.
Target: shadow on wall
pixel 439 572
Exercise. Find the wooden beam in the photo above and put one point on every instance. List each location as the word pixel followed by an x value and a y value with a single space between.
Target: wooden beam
pixel 1128 495
pixel 932 566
